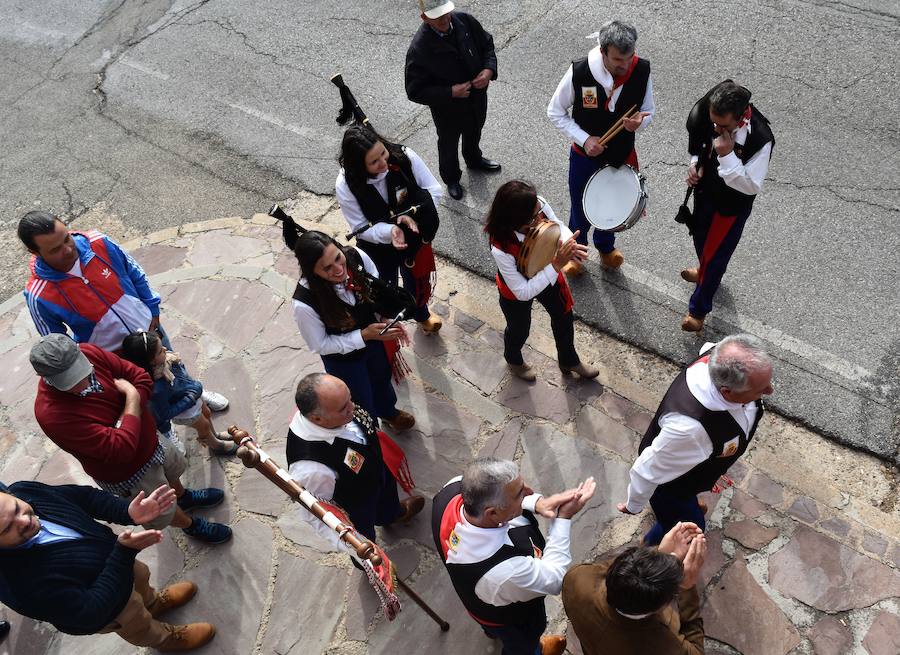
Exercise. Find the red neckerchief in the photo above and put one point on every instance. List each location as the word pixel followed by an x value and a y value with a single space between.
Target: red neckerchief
pixel 349 283
pixel 619 81
pixel 745 117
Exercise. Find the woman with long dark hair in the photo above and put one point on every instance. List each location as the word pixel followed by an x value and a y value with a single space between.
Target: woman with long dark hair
pixel 378 184
pixel 334 310
pixel 516 205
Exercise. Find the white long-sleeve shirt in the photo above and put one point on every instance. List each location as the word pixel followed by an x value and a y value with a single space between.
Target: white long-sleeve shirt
pixel 522 287
pixel 318 479
pixel 313 329
pixel 682 442
pixel 381 232
pixel 747 178
pixel 520 578
pixel 564 97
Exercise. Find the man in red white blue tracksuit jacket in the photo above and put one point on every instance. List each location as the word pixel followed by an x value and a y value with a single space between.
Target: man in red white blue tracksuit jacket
pixel 102 297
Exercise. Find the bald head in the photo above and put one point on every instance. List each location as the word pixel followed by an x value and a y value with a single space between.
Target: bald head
pixel 18 523
pixel 324 400
pixel 740 368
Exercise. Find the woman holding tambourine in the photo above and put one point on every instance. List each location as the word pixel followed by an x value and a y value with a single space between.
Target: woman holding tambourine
pixel 389 198
pixel 334 309
pixel 515 209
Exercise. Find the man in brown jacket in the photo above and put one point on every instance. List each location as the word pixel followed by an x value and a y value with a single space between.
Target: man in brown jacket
pixel 644 601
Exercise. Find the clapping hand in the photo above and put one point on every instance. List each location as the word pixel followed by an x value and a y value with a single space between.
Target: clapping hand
pixel 583 493
pixel 548 506
pixel 693 561
pixel 144 509
pixel 140 540
pixel 678 540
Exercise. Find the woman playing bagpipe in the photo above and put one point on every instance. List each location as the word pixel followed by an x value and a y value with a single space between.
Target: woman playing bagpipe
pixel 335 308
pixel 517 207
pixel 389 198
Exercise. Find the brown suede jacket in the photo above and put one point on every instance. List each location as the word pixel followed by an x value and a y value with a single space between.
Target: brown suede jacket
pixel 603 631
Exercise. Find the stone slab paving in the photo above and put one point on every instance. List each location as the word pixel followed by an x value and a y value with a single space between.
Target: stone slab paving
pixel 802 551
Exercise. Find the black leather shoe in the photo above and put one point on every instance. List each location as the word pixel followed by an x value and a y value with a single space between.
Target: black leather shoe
pixel 486 164
pixel 455 190
pixel 4 629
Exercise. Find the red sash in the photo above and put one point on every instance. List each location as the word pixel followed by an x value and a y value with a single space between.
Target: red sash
pixel 513 249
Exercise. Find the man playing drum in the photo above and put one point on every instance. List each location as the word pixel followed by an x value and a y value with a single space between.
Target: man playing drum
pixel 600 89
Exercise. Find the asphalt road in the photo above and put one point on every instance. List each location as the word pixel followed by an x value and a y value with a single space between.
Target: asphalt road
pixel 162 113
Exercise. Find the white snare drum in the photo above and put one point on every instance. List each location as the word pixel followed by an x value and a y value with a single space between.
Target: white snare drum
pixel 615 198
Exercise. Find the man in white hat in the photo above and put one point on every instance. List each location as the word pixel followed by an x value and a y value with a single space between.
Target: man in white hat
pixel 449 65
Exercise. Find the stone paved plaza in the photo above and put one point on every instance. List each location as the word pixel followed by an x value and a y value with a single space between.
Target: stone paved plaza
pixel 803 551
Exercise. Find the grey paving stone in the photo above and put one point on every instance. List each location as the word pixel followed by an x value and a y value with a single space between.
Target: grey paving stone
pixel 829 576
pixel 493 338
pixel 301 532
pixel 431 346
pixel 19 381
pixel 230 377
pixel 440 308
pixel 286 264
pixel 466 322
pixel 63 468
pixel 738 471
pixel 593 425
pixel 232 310
pixel 715 558
pixel 874 543
pixel 554 462
pixel 26 459
pixel 483 369
pixel 538 399
pixel 255 493
pixel 282 331
pixel 302 623
pixel 30 637
pixel 766 489
pixel 220 247
pixel 739 613
pixel 233 585
pixel 158 257
pixel 405 559
pixel 883 638
pixel 804 509
pixel 362 606
pixel 275 414
pixel 503 444
pixel 836 526
pixel 750 534
pixel 279 370
pixel 165 561
pixel 205 472
pixel 413 629
pixel 418 530
pixel 829 636
pixel 7 440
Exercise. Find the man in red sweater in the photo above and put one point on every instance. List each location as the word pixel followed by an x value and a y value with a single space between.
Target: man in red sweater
pixel 93 405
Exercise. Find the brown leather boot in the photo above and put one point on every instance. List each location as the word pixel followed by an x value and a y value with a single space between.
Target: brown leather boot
pixel 691 275
pixel 402 421
pixel 187 637
pixel 691 323
pixel 612 259
pixel 584 370
pixel 523 372
pixel 553 645
pixel 573 268
pixel 411 506
pixel 175 595
pixel 431 324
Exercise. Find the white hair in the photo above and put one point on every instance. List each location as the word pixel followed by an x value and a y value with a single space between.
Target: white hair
pixel 483 483
pixel 733 359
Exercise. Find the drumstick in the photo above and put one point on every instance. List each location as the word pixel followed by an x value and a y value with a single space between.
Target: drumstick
pixel 617 126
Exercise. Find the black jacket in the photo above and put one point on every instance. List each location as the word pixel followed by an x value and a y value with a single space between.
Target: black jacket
pixel 435 63
pixel 81 585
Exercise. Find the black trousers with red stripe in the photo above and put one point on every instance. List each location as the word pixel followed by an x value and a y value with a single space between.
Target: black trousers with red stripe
pixel 716 235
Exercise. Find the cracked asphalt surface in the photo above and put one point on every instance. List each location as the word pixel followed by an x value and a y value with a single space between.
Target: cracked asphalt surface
pixel 161 113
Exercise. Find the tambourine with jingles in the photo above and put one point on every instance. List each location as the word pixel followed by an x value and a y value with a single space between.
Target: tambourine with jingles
pixel 539 247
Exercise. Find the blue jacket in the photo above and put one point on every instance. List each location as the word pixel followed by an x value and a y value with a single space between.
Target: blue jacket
pixel 169 400
pixel 81 585
pixel 111 300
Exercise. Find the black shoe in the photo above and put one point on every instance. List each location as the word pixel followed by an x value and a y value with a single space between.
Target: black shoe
pixel 486 164
pixel 196 498
pixel 455 190
pixel 4 629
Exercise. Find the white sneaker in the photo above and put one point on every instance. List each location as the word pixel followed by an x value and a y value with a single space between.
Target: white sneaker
pixel 215 401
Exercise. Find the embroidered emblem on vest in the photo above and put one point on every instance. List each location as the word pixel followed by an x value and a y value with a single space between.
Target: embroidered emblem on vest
pixel 731 447
pixel 353 460
pixel 589 97
pixel 453 541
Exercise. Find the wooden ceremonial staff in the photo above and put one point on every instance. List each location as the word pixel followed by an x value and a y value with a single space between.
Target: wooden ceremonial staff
pixel 255 457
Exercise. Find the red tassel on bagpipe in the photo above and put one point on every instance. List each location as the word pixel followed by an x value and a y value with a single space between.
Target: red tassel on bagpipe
pixel 395 459
pixel 424 273
pixel 399 366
